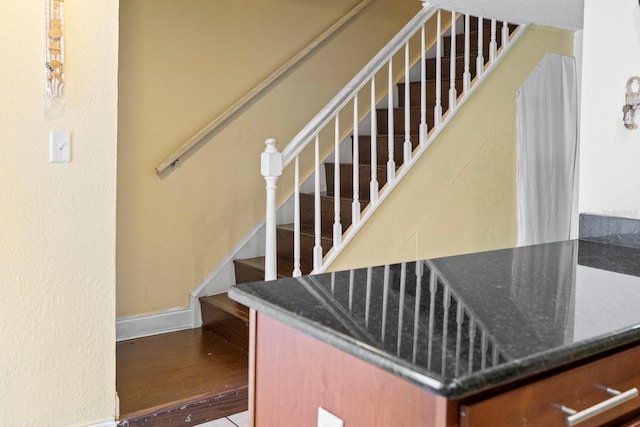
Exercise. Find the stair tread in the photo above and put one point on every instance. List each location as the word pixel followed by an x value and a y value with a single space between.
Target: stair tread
pixel 350 165
pixel 258 263
pixel 223 303
pixel 324 195
pixel 411 107
pixel 347 200
pixel 307 230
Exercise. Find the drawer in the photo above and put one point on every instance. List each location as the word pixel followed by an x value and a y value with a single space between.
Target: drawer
pixel 540 403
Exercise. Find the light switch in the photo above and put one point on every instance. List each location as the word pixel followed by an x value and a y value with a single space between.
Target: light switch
pixel 59 146
pixel 327 419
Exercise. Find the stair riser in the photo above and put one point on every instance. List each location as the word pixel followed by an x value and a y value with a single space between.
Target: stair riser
pixel 415 92
pixel 473 40
pixel 382 148
pixel 398 119
pixel 285 249
pixel 346 179
pixel 415 88
pixel 228 327
pixel 246 274
pixel 307 213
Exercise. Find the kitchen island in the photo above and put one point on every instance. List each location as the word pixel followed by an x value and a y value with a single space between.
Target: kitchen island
pixel 539 335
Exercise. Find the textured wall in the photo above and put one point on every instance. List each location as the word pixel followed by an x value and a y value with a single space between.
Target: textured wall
pixel 179 67
pixel 57 222
pixel 609 154
pixel 460 197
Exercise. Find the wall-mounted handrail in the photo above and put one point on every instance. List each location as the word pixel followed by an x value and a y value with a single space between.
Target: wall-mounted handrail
pixel 171 161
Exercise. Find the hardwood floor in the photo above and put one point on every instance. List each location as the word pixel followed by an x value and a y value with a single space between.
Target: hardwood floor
pixel 192 371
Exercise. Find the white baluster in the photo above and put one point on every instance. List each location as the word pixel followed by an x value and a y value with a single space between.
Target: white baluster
pixel 505 34
pixel 437 110
pixel 453 94
pixel 407 110
pixel 493 44
pixel 467 73
pixel 271 169
pixel 496 355
pixel 355 205
pixel 337 227
pixel 317 249
pixel 296 221
pixel 480 58
pixel 391 164
pixel 423 90
pixel 373 185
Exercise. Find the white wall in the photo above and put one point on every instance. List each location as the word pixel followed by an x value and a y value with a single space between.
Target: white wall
pixel 609 154
pixel 57 221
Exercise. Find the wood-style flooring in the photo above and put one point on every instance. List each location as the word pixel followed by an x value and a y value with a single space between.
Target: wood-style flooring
pixel 186 377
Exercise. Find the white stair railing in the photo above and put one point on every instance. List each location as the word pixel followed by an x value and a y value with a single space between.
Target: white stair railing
pixel 316 132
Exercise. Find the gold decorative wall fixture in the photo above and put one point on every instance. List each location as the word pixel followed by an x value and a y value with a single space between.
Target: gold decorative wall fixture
pixel 54 58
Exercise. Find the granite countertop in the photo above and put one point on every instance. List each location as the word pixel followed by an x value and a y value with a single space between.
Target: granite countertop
pixel 461 325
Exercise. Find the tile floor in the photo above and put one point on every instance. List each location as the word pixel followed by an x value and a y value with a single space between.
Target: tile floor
pixel 236 420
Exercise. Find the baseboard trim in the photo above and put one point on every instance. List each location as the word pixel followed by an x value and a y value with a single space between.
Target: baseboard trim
pixel 154 324
pixel 105 424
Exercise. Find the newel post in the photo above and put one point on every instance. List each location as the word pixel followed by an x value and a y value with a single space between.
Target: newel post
pixel 271 169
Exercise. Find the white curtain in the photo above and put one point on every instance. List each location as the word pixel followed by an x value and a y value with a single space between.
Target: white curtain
pixel 547 138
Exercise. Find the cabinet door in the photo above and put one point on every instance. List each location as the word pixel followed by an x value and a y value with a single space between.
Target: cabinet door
pixel 296 374
pixel 540 403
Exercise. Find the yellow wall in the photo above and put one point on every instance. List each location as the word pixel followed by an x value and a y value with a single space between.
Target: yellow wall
pixel 57 222
pixel 180 65
pixel 460 197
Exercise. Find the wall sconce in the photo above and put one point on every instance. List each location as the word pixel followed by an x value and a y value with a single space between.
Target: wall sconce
pixel 54 58
pixel 632 102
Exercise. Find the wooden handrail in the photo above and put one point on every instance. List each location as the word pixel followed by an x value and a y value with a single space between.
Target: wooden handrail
pixel 172 160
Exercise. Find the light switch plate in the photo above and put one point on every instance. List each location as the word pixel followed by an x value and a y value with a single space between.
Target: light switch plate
pixel 59 146
pixel 327 419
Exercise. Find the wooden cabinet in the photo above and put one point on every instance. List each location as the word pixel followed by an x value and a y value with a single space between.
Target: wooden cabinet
pixel 540 403
pixel 292 375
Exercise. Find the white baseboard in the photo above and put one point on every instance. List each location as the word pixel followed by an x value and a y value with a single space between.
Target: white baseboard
pixel 153 324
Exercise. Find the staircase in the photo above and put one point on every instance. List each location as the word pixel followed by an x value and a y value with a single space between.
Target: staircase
pixel 226 322
pixel 248 270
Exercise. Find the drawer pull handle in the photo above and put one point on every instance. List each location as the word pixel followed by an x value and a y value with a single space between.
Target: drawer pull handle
pixel 619 398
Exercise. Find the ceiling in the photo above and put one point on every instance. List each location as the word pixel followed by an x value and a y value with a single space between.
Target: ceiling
pixel 566 14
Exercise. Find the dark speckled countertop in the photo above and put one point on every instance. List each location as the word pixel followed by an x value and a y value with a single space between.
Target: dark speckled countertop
pixel 462 325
